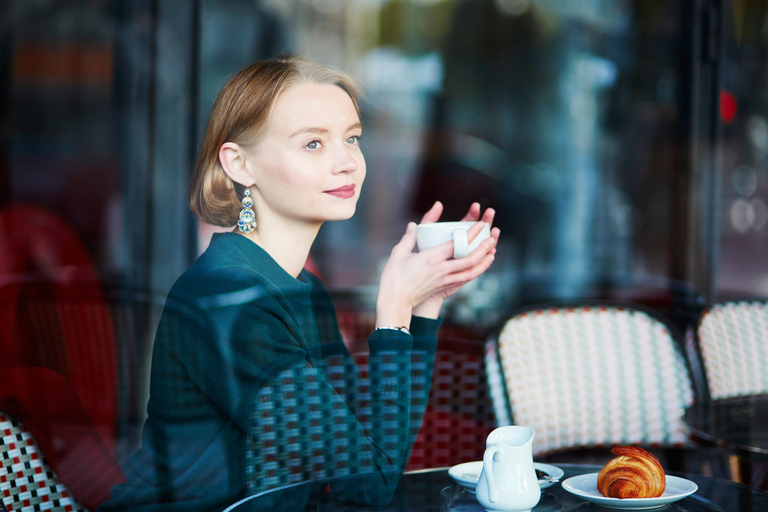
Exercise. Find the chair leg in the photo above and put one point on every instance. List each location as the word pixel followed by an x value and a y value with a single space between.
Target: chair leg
pixel 736 469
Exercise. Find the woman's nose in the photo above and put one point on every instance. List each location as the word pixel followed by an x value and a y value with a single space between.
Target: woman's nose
pixel 345 161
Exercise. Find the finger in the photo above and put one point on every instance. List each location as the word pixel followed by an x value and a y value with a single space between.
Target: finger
pixel 433 214
pixel 495 234
pixel 440 252
pixel 408 241
pixel 473 214
pixel 471 260
pixel 474 231
pixel 464 276
pixel 489 215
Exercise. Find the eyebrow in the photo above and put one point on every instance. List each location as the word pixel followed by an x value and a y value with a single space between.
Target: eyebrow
pixel 316 129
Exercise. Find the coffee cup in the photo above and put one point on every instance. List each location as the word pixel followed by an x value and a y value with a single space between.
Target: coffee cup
pixel 436 233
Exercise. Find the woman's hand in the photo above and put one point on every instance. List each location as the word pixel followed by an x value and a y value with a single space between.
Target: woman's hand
pixel 434 213
pixel 430 308
pixel 418 282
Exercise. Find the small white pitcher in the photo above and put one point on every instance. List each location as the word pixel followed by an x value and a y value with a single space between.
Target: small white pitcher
pixel 508 480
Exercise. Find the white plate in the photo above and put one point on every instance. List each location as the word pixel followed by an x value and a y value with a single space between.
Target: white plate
pixel 468 473
pixel 585 486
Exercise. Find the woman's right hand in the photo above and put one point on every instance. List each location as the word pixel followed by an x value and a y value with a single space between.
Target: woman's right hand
pixel 410 278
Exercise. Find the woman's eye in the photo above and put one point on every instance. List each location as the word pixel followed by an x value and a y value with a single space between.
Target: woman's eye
pixel 355 139
pixel 313 144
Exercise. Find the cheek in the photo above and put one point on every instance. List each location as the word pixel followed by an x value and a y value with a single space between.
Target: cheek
pixel 288 175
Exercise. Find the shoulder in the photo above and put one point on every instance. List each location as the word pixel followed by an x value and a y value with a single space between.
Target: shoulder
pixel 228 265
pixel 320 294
pixel 313 280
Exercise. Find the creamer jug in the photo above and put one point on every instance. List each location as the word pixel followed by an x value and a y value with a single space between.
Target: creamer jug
pixel 508 480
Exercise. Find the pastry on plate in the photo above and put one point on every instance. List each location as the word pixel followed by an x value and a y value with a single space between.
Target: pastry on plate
pixel 634 473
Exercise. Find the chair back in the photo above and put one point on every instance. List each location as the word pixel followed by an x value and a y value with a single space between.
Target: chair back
pixel 459 413
pixel 733 340
pixel 28 483
pixel 65 326
pixel 594 376
pixel 497 389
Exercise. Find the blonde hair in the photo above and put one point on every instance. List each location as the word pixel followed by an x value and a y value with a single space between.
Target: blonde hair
pixel 239 114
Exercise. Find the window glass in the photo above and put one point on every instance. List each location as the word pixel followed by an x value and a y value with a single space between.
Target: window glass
pixel 744 186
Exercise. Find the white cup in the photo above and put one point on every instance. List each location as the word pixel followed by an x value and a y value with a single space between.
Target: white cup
pixel 436 233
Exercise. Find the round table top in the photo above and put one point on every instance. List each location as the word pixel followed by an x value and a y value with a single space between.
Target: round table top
pixel 435 491
pixel 739 424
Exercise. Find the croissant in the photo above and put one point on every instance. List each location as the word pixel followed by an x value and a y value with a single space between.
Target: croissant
pixel 635 473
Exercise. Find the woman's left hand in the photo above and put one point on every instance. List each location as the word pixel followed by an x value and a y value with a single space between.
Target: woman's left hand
pixel 430 307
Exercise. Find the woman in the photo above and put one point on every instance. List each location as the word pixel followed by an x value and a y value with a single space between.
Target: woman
pixel 239 400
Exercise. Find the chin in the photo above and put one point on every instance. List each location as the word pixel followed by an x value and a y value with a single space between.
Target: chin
pixel 345 214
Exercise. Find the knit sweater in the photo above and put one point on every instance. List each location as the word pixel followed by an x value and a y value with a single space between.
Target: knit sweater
pixel 240 400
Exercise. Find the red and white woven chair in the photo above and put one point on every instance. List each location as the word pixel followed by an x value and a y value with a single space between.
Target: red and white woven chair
pixel 460 411
pixel 733 340
pixel 594 376
pixel 27 482
pixel 497 390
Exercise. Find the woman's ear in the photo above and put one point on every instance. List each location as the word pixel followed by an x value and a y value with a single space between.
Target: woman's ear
pixel 232 158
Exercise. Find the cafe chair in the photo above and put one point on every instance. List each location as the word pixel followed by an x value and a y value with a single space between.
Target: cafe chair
pixel 459 413
pixel 458 416
pixel 26 480
pixel 495 381
pixel 64 324
pixel 594 376
pixel 460 410
pixel 732 339
pixel 297 431
pixel 91 344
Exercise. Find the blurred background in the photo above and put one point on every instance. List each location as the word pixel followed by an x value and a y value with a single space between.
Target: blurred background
pixel 623 143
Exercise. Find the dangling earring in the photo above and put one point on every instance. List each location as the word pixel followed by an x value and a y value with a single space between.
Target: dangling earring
pixel 247 221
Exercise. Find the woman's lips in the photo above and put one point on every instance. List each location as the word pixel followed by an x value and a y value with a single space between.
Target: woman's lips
pixel 345 192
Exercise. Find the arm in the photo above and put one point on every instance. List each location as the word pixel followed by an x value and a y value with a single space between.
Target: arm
pixel 256 369
pixel 362 453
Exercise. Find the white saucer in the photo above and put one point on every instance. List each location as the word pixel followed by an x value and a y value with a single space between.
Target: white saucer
pixel 585 486
pixel 468 473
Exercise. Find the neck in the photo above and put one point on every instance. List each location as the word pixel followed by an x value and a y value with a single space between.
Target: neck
pixel 288 245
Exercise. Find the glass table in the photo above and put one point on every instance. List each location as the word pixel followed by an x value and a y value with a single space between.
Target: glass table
pixel 738 424
pixel 737 427
pixel 435 491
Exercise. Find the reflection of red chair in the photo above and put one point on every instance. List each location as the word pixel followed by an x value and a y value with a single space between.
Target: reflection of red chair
pixel 54 318
pixel 459 413
pixel 35 239
pixel 59 319
pixel 67 329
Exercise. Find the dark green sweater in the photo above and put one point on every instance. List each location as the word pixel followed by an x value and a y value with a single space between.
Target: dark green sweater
pixel 240 399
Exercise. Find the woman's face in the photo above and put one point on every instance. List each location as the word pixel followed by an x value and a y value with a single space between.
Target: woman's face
pixel 307 165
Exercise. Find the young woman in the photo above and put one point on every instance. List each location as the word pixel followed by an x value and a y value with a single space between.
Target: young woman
pixel 239 399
